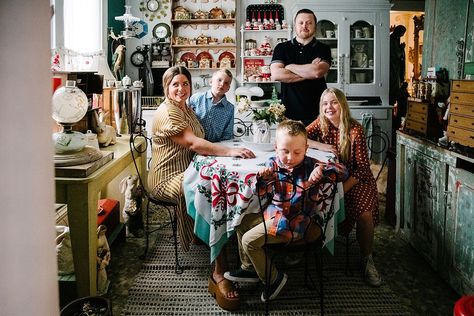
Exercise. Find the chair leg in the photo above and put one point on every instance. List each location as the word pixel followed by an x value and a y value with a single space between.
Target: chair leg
pixel 321 286
pixel 347 255
pixel 147 229
pixel 174 224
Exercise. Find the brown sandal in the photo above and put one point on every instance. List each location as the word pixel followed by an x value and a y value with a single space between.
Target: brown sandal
pixel 219 292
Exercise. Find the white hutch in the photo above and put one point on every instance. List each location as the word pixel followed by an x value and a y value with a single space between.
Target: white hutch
pixel 358 34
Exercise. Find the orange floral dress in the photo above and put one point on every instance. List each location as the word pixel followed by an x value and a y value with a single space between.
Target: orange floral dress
pixel 362 197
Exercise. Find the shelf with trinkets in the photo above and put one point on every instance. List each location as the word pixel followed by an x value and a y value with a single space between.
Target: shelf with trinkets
pixel 261 32
pixel 203 35
pixel 203 21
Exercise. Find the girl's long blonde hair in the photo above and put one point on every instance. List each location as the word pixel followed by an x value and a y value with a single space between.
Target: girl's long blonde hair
pixel 345 122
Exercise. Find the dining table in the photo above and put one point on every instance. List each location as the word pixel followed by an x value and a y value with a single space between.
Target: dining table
pixel 218 192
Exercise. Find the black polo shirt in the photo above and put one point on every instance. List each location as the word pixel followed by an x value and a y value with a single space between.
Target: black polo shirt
pixel 301 99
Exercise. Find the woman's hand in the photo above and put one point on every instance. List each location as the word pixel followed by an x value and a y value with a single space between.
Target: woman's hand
pixel 323 146
pixel 242 153
pixel 328 148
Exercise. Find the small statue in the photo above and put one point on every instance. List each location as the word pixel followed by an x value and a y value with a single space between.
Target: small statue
pixel 64 251
pixel 118 60
pixel 131 212
pixel 103 259
pixel 106 134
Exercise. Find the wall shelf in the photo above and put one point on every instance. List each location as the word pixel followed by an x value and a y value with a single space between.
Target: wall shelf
pixel 203 21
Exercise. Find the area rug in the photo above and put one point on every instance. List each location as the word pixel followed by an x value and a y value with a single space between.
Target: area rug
pixel 157 290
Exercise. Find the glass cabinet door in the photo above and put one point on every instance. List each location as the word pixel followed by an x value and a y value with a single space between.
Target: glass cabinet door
pixel 361 53
pixel 327 33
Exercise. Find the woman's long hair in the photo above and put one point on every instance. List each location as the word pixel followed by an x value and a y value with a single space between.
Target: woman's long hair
pixel 345 122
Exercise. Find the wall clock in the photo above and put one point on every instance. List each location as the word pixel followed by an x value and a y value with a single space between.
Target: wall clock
pixel 138 57
pixel 152 5
pixel 140 28
pixel 154 9
pixel 161 31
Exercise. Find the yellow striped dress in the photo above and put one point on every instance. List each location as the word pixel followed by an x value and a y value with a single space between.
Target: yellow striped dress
pixel 170 160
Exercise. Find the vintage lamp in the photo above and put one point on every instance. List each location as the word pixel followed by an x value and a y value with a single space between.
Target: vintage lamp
pixel 69 107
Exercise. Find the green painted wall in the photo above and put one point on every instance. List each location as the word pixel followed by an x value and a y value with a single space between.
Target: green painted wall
pixel 444 25
pixel 114 8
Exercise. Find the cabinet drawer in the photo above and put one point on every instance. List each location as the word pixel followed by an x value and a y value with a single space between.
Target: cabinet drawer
pixel 417 107
pixel 417 117
pixel 466 122
pixel 378 114
pixel 463 98
pixel 415 126
pixel 462 85
pixel 462 109
pixel 462 136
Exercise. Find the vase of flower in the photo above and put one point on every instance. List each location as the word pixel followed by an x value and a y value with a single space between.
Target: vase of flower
pixel 263 117
pixel 261 131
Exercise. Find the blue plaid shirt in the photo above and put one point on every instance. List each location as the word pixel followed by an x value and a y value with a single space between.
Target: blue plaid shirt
pixel 216 119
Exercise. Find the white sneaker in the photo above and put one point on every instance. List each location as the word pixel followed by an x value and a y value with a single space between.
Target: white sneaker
pixel 371 275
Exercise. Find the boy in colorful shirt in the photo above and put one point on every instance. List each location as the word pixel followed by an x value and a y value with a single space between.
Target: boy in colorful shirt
pixel 212 109
pixel 290 160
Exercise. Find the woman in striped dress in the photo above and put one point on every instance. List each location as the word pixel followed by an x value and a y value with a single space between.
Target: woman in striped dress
pixel 177 136
pixel 342 134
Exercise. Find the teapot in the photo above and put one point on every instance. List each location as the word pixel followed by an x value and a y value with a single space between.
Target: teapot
pixel 126 81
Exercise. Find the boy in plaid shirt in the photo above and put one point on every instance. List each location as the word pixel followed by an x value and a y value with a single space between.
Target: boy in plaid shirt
pixel 290 147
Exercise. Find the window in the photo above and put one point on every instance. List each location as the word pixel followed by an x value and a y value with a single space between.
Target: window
pixel 78 33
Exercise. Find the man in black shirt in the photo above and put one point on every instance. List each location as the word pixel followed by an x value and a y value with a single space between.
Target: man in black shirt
pixel 300 65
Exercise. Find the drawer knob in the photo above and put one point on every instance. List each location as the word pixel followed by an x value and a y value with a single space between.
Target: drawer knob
pixel 455 121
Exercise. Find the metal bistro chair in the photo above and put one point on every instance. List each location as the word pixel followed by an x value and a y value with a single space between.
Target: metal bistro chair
pixel 320 197
pixel 171 207
pixel 242 128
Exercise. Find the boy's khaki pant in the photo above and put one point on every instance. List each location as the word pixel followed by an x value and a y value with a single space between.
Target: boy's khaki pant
pixel 251 238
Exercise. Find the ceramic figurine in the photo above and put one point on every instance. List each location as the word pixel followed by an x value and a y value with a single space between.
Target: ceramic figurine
pixel 106 134
pixel 64 251
pixel 103 259
pixel 118 60
pixel 131 212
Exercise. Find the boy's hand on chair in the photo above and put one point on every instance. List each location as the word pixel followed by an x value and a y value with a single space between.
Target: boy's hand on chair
pixel 315 175
pixel 266 173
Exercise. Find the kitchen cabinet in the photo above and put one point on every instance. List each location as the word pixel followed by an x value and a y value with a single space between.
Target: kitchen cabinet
pixel 435 206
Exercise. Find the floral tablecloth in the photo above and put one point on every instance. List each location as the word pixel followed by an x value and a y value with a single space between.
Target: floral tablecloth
pixel 218 193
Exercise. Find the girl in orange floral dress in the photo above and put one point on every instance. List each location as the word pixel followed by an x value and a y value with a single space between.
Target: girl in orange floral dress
pixel 336 131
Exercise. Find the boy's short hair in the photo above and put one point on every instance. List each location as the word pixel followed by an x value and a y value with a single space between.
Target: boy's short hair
pixel 292 128
pixel 226 71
